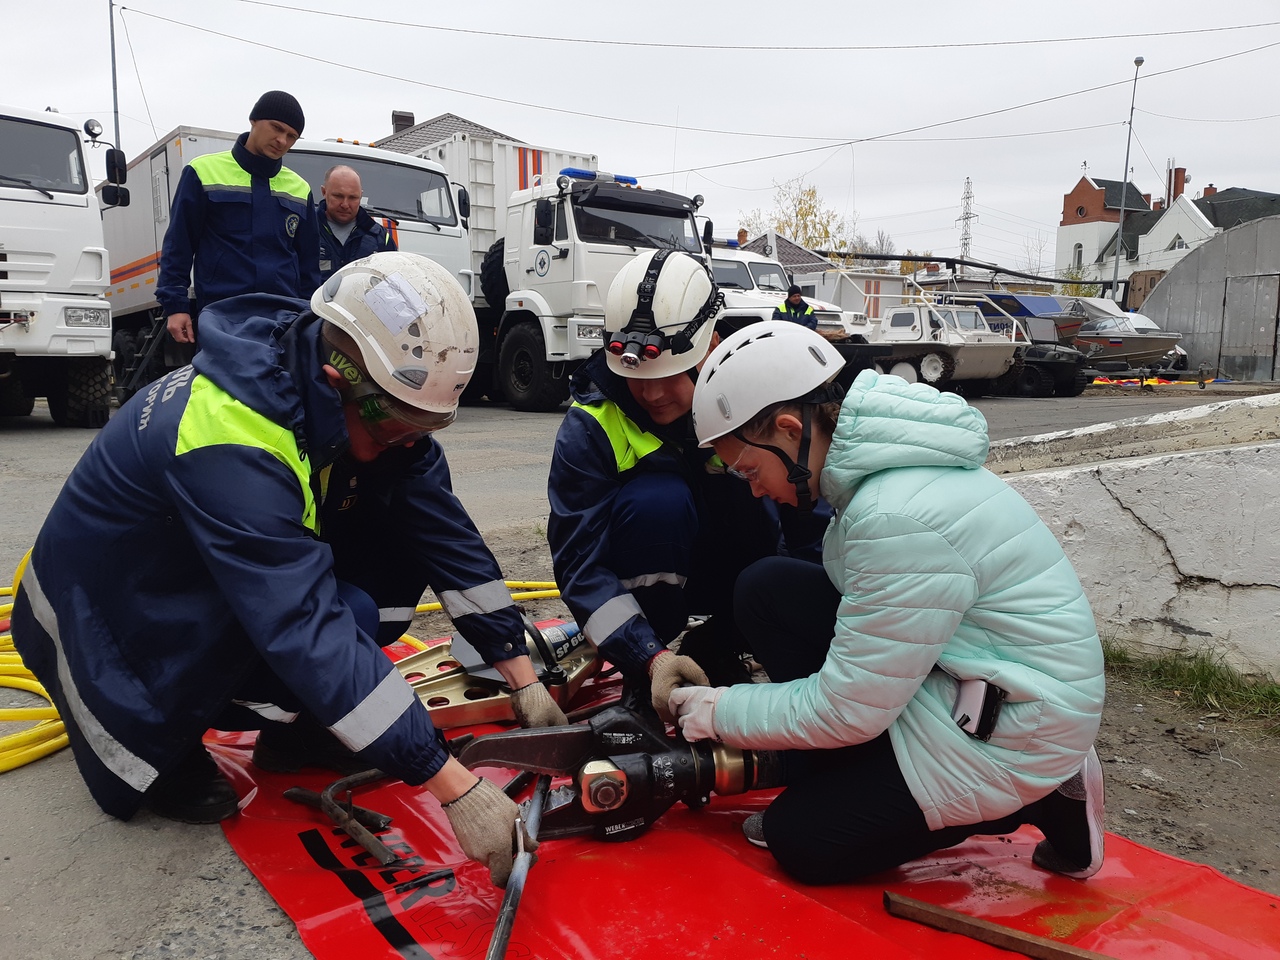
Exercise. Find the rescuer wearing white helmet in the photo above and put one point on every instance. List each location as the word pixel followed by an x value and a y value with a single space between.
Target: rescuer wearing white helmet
pixel 276 512
pixel 940 675
pixel 646 530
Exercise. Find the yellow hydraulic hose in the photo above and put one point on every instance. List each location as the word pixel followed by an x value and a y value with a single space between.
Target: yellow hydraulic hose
pixel 49 734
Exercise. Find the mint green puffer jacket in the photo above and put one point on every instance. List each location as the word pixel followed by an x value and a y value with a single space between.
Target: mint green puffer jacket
pixel 942 565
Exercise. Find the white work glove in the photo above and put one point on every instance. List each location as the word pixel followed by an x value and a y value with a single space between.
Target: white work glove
pixel 534 707
pixel 667 671
pixel 484 821
pixel 695 711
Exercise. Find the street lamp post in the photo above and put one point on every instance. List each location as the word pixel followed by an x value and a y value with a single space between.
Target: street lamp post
pixel 1124 185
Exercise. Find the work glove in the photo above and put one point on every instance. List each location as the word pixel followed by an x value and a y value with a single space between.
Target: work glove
pixel 534 707
pixel 666 672
pixel 695 711
pixel 484 821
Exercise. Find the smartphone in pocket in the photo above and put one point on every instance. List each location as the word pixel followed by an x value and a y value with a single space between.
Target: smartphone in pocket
pixel 977 707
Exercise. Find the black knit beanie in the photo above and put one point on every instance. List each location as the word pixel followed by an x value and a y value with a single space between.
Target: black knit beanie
pixel 281 106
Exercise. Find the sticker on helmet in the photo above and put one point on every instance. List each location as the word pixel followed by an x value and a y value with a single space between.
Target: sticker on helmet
pixel 396 303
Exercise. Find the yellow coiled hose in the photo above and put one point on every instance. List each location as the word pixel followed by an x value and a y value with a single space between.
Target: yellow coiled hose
pixel 50 734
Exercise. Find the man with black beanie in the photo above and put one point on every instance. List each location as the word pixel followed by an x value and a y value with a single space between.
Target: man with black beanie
pixel 244 220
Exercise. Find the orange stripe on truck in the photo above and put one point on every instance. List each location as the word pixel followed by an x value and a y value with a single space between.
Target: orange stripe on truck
pixel 129 270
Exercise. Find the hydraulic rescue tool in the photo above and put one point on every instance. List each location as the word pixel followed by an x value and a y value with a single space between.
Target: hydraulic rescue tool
pixel 625 773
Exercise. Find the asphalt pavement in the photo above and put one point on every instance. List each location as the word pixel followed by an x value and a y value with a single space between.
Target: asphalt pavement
pixel 75 883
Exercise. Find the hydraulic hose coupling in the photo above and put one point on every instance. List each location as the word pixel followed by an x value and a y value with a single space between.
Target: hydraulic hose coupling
pixel 738 771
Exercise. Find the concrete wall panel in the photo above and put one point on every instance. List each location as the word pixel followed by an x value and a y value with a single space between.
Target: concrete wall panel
pixel 1177 552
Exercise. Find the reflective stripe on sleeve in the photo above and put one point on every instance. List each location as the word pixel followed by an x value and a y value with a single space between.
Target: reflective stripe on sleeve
pixel 612 615
pixel 268 711
pixel 126 765
pixel 395 614
pixel 375 713
pixel 649 579
pixel 485 598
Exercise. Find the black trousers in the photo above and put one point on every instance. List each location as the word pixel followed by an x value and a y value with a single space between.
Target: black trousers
pixel 846 813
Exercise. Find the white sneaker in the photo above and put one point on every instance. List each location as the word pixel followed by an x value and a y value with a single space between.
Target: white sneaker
pixel 753 830
pixel 1086 785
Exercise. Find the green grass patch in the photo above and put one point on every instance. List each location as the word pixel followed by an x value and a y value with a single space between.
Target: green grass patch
pixel 1201 679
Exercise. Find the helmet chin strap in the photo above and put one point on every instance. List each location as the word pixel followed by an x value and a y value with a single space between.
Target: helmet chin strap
pixel 798 474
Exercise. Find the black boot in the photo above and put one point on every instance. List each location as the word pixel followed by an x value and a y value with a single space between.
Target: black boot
pixel 195 791
pixel 288 747
pixel 718 648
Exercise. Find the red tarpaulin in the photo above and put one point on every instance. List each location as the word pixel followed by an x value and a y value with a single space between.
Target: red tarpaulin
pixel 693 887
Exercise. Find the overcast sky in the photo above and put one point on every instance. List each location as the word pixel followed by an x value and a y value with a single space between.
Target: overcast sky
pixel 691 96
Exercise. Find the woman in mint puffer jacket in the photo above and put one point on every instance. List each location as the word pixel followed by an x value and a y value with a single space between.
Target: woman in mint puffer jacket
pixel 942 677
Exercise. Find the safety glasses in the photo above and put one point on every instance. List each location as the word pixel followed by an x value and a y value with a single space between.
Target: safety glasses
pixel 750 474
pixel 391 423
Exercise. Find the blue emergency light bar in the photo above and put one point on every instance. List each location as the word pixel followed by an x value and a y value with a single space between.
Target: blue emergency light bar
pixel 579 174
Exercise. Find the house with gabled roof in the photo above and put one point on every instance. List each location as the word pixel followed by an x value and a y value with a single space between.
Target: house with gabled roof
pixel 409 137
pixel 1155 236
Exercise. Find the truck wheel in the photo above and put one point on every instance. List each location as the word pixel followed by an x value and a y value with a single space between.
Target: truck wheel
pixel 937 368
pixel 1030 382
pixel 81 397
pixel 1073 387
pixel 905 370
pixel 493 277
pixel 13 401
pixel 524 374
pixel 125 349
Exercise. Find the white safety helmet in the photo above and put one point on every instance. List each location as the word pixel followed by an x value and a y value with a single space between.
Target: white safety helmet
pixel 415 331
pixel 774 361
pixel 769 362
pixel 660 315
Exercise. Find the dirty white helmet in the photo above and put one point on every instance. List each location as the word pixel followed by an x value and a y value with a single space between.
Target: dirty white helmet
pixel 769 362
pixel 414 328
pixel 660 315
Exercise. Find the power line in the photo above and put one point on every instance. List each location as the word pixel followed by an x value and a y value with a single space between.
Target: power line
pixel 1163 116
pixel 834 142
pixel 850 48
pixel 977 116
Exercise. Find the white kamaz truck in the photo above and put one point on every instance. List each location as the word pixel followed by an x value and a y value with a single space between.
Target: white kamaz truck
pixel 410 195
pixel 548 234
pixel 55 325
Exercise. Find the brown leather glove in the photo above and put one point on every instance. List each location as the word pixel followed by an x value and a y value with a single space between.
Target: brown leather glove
pixel 668 671
pixel 534 707
pixel 484 821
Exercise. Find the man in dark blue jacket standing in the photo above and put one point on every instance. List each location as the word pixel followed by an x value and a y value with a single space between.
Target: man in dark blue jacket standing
pixel 244 220
pixel 347 232
pixel 796 310
pixel 237 543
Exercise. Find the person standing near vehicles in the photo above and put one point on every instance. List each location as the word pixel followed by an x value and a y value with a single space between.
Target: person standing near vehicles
pixel 272 514
pixel 347 232
pixel 240 222
pixel 796 310
pixel 942 676
pixel 645 528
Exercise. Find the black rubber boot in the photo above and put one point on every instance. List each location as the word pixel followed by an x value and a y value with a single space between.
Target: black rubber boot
pixel 717 647
pixel 289 747
pixel 193 792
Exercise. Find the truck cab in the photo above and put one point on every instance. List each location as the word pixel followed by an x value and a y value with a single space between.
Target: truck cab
pixel 564 243
pixel 55 325
pixel 755 285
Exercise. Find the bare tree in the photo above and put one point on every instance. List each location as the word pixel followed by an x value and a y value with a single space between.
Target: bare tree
pixel 799 215
pixel 1033 252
